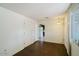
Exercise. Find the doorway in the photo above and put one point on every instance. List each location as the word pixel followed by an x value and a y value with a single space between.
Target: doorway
pixel 41 32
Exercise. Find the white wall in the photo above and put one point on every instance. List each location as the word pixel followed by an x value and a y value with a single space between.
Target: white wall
pixel 54 30
pixel 66 33
pixel 16 32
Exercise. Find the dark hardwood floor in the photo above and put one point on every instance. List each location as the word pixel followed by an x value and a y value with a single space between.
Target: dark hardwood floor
pixel 43 49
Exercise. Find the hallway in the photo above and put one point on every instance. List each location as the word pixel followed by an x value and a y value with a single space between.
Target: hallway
pixel 43 49
pixel 23 27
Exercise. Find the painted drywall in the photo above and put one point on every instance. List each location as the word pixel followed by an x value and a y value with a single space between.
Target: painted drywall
pixel 16 32
pixel 66 33
pixel 54 29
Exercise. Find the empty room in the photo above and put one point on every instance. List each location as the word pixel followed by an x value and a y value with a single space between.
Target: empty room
pixel 39 29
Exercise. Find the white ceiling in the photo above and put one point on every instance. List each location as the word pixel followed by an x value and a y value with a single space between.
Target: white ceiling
pixel 37 10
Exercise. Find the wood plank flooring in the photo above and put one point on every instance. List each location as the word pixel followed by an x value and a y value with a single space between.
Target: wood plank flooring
pixel 43 49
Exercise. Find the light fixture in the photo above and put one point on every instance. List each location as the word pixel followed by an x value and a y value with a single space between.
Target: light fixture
pixel 58 23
